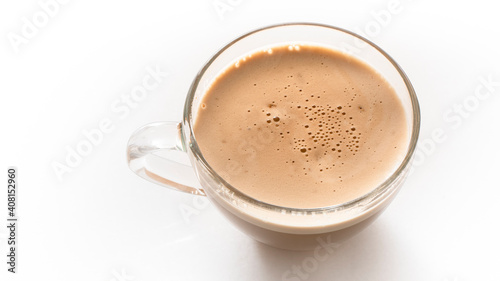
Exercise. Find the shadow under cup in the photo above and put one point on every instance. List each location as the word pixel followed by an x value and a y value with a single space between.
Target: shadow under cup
pixel 281 227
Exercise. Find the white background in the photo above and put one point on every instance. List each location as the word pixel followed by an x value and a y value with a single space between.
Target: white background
pixel 102 222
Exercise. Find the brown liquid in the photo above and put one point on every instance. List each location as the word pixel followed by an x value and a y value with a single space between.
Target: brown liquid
pixel 303 128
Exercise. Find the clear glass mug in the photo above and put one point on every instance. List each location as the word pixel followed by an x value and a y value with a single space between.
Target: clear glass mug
pixel 166 153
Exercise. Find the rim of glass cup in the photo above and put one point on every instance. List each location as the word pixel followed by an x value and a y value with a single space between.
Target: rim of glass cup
pixel 380 189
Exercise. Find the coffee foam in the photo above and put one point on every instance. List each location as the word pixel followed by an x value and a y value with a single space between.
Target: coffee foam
pixel 302 127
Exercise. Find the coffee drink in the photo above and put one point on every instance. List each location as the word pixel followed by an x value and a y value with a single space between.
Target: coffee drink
pixel 302 126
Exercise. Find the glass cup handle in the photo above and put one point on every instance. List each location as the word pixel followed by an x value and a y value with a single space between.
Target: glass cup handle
pixel 156 153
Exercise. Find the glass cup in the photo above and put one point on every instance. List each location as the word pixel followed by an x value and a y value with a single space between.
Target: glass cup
pixel 167 153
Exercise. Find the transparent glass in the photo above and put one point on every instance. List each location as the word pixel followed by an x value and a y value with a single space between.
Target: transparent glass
pixel 167 153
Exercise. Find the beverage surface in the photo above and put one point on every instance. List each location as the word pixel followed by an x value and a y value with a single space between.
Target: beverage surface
pixel 302 127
